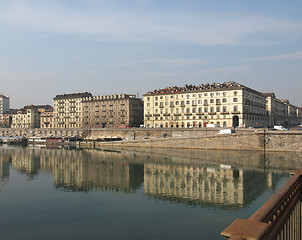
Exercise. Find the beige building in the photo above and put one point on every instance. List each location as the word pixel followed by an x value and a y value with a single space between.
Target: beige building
pixel 46 119
pixel 112 111
pixel 28 117
pixel 68 110
pixel 276 109
pixel 226 105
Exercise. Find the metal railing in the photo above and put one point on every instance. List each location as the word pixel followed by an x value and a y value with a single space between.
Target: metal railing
pixel 279 218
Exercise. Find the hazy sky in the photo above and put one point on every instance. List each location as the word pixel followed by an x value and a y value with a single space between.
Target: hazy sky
pixel 50 47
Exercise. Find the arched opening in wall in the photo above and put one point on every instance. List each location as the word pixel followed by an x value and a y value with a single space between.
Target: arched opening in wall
pixel 194 124
pixel 235 121
pixel 188 124
pixel 161 125
pixel 200 124
pixel 218 124
pixel 171 125
pixel 224 124
pixel 177 125
pixel 167 125
pixel 182 124
pixel 205 124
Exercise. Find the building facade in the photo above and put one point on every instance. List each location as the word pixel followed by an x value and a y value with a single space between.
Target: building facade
pixel 68 110
pixel 112 111
pixel 226 105
pixel 276 109
pixel 4 105
pixel 46 118
pixel 28 117
pixel 7 118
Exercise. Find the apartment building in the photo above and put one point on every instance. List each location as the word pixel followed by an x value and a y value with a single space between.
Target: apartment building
pixel 225 104
pixel 112 111
pixel 7 118
pixel 68 110
pixel 28 117
pixel 4 105
pixel 46 118
pixel 276 109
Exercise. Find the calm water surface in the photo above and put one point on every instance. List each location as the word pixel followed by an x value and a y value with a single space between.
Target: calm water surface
pixel 146 194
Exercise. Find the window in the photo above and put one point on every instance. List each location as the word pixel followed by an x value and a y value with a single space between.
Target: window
pixel 217 109
pixel 188 96
pixel 211 94
pixel 148 98
pixel 188 101
pixel 235 93
pixel 161 97
pixel 224 94
pixel 199 110
pixel 235 100
pixel 224 109
pixel 176 103
pixel 199 101
pixel 205 102
pixel 199 95
pixel 205 109
pixel 212 109
pixel 235 108
pixel 188 110
pixel 224 100
pixel 211 100
pixel 156 103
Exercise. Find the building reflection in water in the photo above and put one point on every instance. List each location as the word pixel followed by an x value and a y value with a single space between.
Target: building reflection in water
pixel 206 178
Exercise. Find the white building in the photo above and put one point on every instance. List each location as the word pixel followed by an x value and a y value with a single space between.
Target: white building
pixel 224 104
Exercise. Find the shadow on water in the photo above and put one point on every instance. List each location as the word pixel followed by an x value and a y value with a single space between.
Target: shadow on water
pixel 223 179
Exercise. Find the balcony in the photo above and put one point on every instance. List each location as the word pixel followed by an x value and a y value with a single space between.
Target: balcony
pixel 177 114
pixel 188 114
pixel 236 112
pixel 166 114
pixel 148 115
pixel 212 113
pixel 224 113
pixel 182 105
pixel 156 115
pixel 206 104
pixel 200 113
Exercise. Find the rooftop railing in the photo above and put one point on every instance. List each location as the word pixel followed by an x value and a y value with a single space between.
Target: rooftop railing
pixel 278 218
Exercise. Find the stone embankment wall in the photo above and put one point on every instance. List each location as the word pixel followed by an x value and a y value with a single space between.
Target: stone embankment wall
pixel 204 138
pixel 241 140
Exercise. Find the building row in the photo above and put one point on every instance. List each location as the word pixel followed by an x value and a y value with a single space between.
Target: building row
pixel 228 104
pixel 225 104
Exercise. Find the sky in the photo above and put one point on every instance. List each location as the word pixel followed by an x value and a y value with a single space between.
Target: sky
pixel 50 47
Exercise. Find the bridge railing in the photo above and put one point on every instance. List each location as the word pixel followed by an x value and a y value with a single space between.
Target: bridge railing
pixel 279 218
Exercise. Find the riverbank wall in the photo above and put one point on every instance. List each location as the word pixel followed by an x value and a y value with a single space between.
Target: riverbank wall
pixel 197 138
pixel 240 140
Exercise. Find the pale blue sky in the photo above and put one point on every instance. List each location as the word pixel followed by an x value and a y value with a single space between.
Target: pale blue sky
pixel 50 47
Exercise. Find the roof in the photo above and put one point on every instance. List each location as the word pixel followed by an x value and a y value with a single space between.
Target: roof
pixel 72 95
pixel 2 96
pixel 269 94
pixel 203 87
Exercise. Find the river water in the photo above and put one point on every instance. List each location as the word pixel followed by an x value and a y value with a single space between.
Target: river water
pixel 144 194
